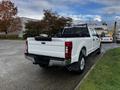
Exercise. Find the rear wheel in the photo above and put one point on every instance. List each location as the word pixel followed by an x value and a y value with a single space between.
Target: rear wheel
pixel 117 41
pixel 41 61
pixel 81 64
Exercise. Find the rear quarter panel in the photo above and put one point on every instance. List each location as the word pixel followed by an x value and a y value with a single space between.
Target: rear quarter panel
pixel 78 44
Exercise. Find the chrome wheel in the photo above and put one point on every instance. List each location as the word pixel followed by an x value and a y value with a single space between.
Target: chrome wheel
pixel 82 64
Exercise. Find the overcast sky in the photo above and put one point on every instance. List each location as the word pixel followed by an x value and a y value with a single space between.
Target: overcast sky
pixel 77 9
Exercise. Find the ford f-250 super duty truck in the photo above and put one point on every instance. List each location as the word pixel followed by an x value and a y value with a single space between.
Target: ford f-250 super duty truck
pixel 68 48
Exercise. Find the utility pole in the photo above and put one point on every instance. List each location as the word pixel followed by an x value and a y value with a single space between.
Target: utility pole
pixel 114 32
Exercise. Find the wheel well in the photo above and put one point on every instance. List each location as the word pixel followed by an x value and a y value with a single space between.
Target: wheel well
pixel 83 51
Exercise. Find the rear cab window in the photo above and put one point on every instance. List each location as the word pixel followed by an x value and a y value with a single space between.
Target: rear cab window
pixel 75 32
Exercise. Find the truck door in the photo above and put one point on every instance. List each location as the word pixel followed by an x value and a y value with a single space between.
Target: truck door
pixel 89 41
pixel 96 40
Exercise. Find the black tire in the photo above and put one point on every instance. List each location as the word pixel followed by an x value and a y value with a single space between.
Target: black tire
pixel 99 50
pixel 81 64
pixel 42 62
pixel 117 41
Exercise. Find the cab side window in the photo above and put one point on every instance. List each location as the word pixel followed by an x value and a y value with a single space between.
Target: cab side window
pixel 93 32
pixel 83 32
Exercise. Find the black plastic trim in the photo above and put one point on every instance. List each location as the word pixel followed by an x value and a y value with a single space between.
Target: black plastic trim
pixel 54 58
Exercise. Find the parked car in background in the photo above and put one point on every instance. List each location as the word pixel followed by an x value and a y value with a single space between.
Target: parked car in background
pixel 107 38
pixel 68 48
pixel 118 36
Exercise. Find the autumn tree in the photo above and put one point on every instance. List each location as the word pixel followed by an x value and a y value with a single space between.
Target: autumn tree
pixel 8 12
pixel 16 25
pixel 33 28
pixel 50 24
pixel 54 22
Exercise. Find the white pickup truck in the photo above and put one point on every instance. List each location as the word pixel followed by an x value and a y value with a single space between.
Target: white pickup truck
pixel 68 48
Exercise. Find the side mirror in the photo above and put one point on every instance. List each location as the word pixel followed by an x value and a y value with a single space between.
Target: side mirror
pixel 96 35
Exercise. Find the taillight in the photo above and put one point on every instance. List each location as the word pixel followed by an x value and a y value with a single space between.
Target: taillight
pixel 26 46
pixel 68 50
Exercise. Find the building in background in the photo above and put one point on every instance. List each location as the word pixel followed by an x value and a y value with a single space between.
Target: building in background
pixel 18 26
pixel 101 29
pixel 23 21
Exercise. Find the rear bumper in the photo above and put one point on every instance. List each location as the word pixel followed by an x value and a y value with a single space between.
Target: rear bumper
pixel 53 60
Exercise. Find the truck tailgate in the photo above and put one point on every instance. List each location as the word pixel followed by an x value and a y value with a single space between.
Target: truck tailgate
pixel 54 48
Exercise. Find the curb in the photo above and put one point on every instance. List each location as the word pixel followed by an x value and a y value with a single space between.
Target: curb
pixel 77 87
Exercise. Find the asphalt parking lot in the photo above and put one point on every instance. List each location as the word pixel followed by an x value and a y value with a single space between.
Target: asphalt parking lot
pixel 17 73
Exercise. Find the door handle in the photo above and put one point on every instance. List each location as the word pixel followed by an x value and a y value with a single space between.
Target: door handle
pixel 97 39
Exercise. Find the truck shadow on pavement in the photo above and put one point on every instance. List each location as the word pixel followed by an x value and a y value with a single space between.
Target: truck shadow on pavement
pixel 61 76
pixel 90 60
